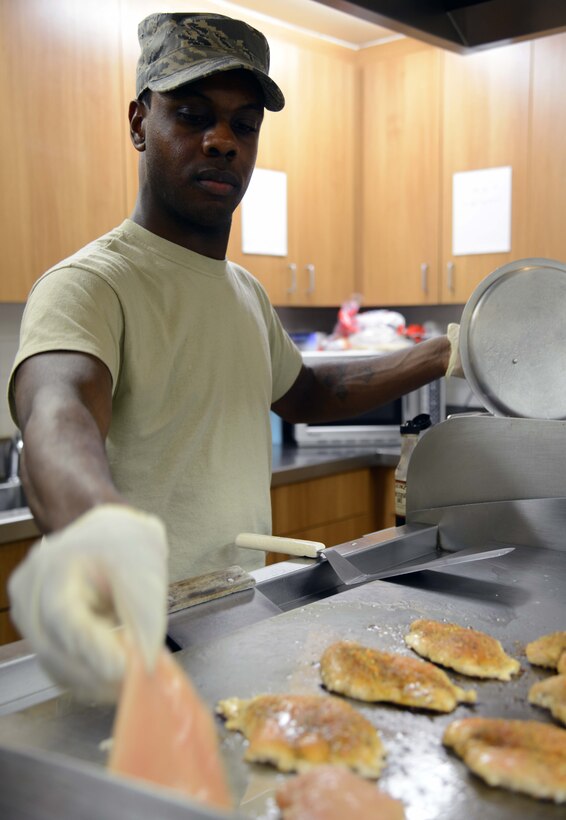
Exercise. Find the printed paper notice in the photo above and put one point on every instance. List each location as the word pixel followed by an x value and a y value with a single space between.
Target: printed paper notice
pixel 264 214
pixel 481 211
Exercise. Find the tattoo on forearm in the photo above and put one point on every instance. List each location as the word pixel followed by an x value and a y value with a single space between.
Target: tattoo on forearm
pixel 338 381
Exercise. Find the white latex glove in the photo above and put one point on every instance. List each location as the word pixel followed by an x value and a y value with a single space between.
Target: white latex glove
pixel 455 363
pixel 107 568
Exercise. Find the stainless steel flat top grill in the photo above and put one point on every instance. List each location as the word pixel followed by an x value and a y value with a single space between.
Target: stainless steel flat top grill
pixel 472 479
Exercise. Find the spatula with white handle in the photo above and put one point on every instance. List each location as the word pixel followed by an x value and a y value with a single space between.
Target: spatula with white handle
pixel 277 543
pixel 348 573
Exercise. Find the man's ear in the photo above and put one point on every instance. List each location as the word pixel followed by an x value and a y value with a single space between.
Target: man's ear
pixel 137 113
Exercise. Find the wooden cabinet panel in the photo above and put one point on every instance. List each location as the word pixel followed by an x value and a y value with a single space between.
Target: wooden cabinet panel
pixel 274 272
pixel 10 556
pixel 485 118
pixel 336 532
pixel 384 479
pixel 427 115
pixel 313 141
pixel 310 503
pixel 62 145
pixel 8 632
pixel 401 174
pixel 369 140
pixel 546 204
pixel 322 176
pixel 334 509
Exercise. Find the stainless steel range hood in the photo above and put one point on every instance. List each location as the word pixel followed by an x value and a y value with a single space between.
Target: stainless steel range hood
pixel 461 25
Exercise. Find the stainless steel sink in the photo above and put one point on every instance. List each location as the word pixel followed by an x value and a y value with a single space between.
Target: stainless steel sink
pixel 12 496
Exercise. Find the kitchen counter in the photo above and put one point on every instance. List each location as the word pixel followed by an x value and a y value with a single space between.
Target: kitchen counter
pixel 290 465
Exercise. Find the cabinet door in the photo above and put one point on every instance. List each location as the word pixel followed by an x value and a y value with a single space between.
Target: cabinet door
pixel 62 160
pixel 312 139
pixel 400 181
pixel 322 175
pixel 11 555
pixel 547 168
pixel 334 508
pixel 276 273
pixel 484 125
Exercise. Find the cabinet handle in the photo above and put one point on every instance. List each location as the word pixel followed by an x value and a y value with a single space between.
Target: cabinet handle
pixel 311 272
pixel 424 277
pixel 450 277
pixel 293 286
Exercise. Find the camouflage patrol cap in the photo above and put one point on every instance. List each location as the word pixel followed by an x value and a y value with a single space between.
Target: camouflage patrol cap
pixel 180 48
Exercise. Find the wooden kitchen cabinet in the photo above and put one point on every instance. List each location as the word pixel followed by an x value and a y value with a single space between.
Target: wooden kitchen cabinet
pixel 63 175
pixel 369 140
pixel 334 508
pixel 400 186
pixel 11 554
pixel 428 114
pixel 313 141
pixel 485 124
pixel 277 274
pixel 546 201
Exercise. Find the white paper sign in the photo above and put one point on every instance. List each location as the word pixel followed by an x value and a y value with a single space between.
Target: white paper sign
pixel 264 214
pixel 481 211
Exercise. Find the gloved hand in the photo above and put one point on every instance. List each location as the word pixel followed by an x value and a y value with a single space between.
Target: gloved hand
pixel 107 568
pixel 454 363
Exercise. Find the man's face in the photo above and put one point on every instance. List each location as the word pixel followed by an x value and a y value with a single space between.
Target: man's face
pixel 200 145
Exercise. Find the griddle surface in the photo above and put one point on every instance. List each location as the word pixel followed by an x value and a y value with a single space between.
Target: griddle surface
pixel 515 598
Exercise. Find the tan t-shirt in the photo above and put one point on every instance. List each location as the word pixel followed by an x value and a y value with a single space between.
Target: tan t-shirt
pixel 197 356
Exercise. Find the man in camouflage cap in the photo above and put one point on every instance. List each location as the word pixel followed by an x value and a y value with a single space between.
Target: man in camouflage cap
pixel 192 142
pixel 148 366
pixel 180 48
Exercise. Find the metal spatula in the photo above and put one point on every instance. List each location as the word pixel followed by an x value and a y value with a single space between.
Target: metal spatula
pixel 347 571
pixel 350 575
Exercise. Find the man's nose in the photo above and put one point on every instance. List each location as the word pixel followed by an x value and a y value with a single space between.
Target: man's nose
pixel 219 141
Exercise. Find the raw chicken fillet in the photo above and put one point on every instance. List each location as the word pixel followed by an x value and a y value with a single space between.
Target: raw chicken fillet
pixel 165 734
pixel 334 793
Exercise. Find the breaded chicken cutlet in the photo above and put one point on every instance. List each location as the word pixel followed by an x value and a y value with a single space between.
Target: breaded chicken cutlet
pixel 463 649
pixel 371 675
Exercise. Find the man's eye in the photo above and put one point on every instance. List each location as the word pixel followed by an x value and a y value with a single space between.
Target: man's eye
pixel 247 126
pixel 192 117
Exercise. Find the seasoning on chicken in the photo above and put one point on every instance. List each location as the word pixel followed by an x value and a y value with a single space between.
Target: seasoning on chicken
pixel 551 694
pixel 549 651
pixel 520 755
pixel 463 649
pixel 298 732
pixel 165 734
pixel 370 675
pixel 334 793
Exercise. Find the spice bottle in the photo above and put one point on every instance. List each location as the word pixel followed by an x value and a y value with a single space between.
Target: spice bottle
pixel 410 432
